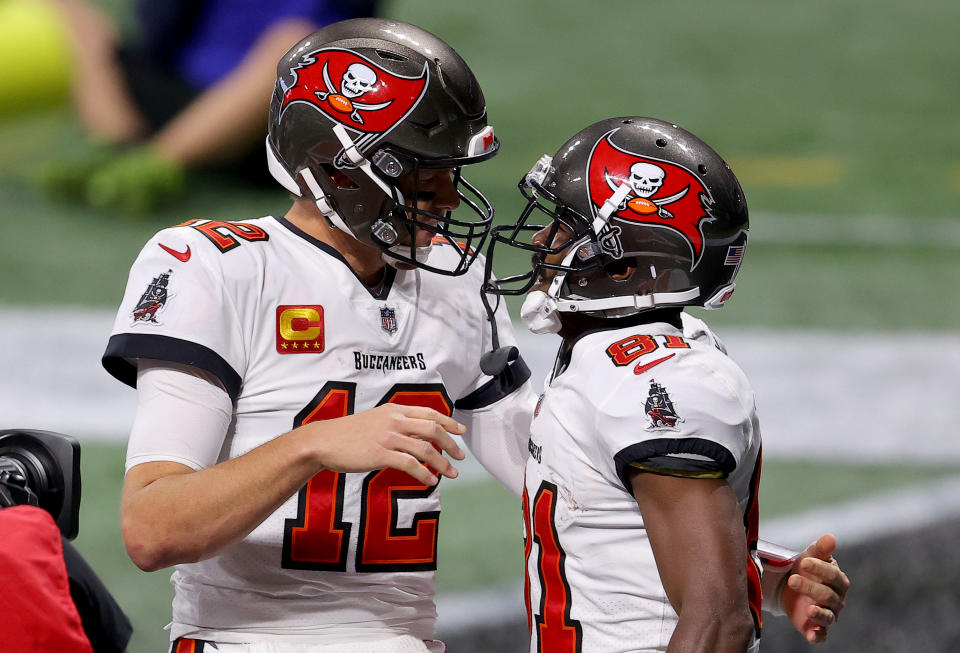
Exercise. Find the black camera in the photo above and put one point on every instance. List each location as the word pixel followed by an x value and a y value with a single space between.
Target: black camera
pixel 42 468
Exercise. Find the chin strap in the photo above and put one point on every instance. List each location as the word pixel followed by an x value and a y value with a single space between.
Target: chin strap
pixel 351 154
pixel 355 157
pixel 282 175
pixel 323 204
pixel 421 254
pixel 627 301
pixel 573 305
pixel 611 204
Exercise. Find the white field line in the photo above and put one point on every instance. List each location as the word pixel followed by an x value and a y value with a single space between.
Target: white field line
pixel 800 229
pixel 861 398
pixel 853 522
pixel 869 397
pixel 871 517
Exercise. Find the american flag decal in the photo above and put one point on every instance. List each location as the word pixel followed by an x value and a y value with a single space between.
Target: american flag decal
pixel 734 254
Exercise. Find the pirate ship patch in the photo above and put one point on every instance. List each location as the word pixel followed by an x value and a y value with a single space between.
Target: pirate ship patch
pixel 659 408
pixel 153 300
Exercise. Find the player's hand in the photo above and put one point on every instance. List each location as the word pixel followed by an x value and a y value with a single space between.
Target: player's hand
pixel 816 590
pixel 391 435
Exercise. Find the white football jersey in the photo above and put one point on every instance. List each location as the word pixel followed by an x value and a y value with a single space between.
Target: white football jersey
pixel 294 336
pixel 648 397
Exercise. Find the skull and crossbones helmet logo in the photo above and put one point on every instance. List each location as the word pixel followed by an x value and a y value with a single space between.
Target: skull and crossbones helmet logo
pixel 352 89
pixel 357 80
pixel 645 180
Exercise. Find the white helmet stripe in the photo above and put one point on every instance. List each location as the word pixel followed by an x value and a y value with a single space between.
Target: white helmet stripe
pixel 609 206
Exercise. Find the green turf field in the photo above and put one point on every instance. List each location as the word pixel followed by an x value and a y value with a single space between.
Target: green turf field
pixel 472 557
pixel 843 109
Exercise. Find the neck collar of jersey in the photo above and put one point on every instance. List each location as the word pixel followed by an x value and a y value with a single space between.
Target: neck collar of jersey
pixel 389 274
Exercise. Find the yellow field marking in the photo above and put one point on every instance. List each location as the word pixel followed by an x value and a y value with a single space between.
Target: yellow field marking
pixel 789 171
pixel 953 177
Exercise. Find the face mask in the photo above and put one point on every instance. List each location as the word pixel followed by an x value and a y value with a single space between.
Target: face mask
pixel 539 313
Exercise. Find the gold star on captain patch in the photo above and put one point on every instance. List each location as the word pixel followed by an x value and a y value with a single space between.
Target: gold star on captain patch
pixel 283 344
pixel 316 345
pixel 295 346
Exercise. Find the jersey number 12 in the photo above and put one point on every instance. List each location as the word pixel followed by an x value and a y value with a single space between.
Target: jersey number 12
pixel 318 538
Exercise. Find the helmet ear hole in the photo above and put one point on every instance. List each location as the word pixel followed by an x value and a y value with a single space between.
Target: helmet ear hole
pixel 621 269
pixel 338 177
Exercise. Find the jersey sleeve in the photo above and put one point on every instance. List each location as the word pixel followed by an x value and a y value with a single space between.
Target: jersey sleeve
pixel 183 415
pixel 497 409
pixel 497 435
pixel 686 420
pixel 177 308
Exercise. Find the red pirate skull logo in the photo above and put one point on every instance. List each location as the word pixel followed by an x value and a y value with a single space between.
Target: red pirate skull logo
pixel 352 90
pixel 660 193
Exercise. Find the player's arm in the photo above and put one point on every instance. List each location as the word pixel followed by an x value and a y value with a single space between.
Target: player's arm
pixel 696 533
pixel 497 435
pixel 178 510
pixel 498 411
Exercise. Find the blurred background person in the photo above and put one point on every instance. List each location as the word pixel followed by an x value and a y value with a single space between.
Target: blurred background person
pixel 191 91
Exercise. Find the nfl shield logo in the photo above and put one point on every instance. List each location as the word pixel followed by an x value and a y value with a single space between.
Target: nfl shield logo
pixel 388 319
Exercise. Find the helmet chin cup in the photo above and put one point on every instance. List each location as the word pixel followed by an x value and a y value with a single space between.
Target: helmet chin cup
pixel 394 253
pixel 493 363
pixel 420 255
pixel 539 313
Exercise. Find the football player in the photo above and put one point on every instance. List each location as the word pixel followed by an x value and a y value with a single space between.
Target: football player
pixel 298 376
pixel 640 499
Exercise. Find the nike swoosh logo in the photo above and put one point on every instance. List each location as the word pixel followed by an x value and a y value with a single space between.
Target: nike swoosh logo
pixel 180 256
pixel 640 369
